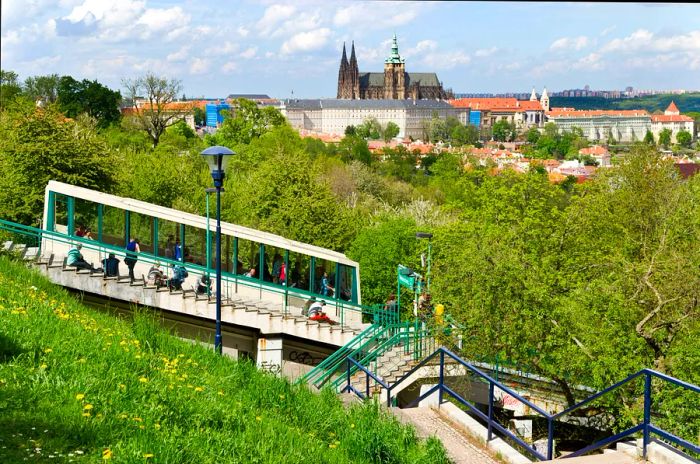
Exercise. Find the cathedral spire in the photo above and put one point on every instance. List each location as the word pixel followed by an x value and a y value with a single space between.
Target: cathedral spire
pixel 533 95
pixel 353 60
pixel 344 59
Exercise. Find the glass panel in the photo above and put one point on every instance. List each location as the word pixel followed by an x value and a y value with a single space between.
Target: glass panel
pixel 248 257
pixel 113 225
pixel 85 219
pixel 324 283
pixel 141 227
pixel 298 271
pixel 274 261
pixel 61 214
pixel 195 250
pixel 169 239
pixel 347 274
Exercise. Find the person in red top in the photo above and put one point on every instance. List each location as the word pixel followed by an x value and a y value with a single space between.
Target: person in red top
pixel 283 274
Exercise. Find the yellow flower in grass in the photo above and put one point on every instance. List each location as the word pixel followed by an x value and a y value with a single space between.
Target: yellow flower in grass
pixel 258 418
pixel 43 366
pixel 86 414
pixel 138 419
pixel 107 454
pixel 221 393
pixel 148 455
pixel 79 396
pixel 47 350
pixel 123 416
pixel 87 407
pixel 156 426
pixel 143 380
pixel 198 389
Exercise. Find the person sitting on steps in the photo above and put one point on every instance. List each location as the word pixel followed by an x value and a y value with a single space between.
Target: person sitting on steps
pixel 111 266
pixel 75 259
pixel 316 313
pixel 203 285
pixel 179 275
pixel 157 277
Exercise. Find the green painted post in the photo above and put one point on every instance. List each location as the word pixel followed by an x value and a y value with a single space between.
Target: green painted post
pixel 155 236
pixel 182 242
pixel 354 285
pixel 70 204
pixel 51 218
pixel 127 225
pixel 261 262
pixel 100 221
pixel 312 275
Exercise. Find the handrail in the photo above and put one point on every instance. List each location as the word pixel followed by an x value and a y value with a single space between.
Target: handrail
pixel 227 277
pixel 646 427
pixel 331 363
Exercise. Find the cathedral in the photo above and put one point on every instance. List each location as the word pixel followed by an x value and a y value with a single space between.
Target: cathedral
pixel 393 84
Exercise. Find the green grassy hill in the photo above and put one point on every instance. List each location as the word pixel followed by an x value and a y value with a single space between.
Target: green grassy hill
pixel 77 385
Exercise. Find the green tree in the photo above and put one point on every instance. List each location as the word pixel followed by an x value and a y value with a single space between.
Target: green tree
pixel 9 87
pixel 200 117
pixel 350 130
pixel 391 130
pixel 684 138
pixel 247 123
pixel 665 137
pixel 379 249
pixel 533 135
pixel 90 97
pixel 157 112
pixel 369 129
pixel 649 138
pixel 464 135
pixel 42 87
pixel 37 145
pixel 504 131
pixel 354 148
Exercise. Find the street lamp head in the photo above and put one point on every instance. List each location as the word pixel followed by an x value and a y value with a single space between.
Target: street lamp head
pixel 424 235
pixel 217 159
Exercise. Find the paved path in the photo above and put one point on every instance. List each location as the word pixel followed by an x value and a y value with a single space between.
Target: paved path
pixel 428 423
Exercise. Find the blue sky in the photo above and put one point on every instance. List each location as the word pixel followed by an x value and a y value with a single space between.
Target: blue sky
pixel 221 47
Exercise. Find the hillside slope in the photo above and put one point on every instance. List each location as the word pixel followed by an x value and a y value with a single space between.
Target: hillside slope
pixel 77 385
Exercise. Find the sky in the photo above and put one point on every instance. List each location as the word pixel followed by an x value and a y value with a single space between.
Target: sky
pixel 293 48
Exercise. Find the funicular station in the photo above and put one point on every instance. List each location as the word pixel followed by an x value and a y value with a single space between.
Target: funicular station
pixel 365 351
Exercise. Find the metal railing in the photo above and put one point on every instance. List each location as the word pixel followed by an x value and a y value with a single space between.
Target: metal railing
pixel 645 427
pixel 346 311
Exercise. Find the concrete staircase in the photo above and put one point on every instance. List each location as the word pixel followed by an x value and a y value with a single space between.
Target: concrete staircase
pixel 390 366
pixel 267 317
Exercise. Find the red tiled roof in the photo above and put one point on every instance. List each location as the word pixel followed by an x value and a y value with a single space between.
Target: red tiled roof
pixel 670 118
pixel 672 108
pixel 594 150
pixel 572 113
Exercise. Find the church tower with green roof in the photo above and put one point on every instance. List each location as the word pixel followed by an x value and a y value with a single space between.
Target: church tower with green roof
pixel 394 74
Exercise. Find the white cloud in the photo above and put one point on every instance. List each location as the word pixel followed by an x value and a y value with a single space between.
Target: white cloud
pixel 226 48
pixel 306 41
pixel 242 31
pixel 199 65
pixel 229 67
pixel 446 60
pixel 607 30
pixel 639 39
pixel 273 15
pixel 383 14
pixel 484 52
pixel 568 43
pixel 249 53
pixel 421 48
pixel 590 62
pixel 180 55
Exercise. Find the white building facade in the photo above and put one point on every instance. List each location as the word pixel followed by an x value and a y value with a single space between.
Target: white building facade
pixel 333 116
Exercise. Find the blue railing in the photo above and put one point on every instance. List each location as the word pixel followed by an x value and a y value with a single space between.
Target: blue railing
pixel 646 427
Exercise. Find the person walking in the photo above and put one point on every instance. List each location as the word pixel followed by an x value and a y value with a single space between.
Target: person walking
pixel 131 257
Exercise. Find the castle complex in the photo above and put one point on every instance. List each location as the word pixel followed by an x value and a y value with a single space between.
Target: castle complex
pixel 393 84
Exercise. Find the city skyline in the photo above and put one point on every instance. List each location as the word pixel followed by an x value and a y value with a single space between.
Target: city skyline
pixel 274 48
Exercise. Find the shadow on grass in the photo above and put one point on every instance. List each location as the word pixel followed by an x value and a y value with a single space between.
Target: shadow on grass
pixel 34 439
pixel 8 349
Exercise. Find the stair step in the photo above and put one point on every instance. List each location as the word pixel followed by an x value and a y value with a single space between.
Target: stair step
pixel 7 246
pixel 31 254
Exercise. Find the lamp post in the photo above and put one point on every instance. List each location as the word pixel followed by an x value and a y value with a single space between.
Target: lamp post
pixel 217 159
pixel 429 236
